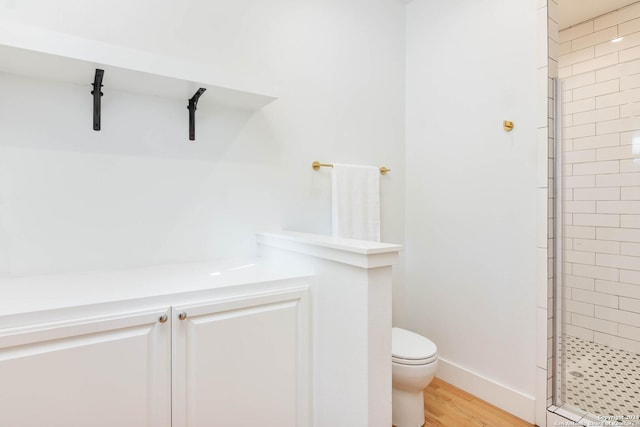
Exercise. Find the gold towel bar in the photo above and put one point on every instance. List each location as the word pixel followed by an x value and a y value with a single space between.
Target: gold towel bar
pixel 317 165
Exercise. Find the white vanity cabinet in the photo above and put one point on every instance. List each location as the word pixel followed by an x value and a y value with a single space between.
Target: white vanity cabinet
pixel 108 371
pixel 226 356
pixel 242 362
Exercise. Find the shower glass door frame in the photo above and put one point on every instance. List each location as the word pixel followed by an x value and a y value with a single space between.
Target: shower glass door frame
pixel 558 315
pixel 574 354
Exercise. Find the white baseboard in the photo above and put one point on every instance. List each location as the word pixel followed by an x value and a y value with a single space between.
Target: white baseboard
pixel 503 397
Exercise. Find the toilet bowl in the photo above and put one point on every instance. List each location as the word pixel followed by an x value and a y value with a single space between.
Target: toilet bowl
pixel 413 365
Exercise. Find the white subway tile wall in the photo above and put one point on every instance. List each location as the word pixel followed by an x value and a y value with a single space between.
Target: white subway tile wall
pixel 599 62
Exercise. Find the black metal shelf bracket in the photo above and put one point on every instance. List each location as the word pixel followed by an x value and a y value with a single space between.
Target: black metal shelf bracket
pixel 193 103
pixel 97 94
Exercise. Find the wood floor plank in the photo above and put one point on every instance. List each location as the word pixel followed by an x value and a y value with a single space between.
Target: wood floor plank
pixel 448 406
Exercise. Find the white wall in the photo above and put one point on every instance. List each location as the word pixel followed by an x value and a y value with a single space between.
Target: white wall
pixel 471 193
pixel 138 193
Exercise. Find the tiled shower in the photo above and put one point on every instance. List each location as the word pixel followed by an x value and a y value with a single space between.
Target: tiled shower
pixel 598 212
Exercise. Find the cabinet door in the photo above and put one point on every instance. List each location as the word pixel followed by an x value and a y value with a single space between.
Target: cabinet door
pixel 243 362
pixel 92 372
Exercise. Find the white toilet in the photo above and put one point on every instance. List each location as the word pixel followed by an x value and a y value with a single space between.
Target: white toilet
pixel 414 362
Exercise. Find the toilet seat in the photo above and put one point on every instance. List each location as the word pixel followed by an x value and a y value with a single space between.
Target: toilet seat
pixel 401 361
pixel 408 348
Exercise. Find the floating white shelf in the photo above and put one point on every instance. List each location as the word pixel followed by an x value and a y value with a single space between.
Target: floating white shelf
pixel 39 53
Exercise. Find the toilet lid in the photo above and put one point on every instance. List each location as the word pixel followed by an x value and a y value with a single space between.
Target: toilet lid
pixel 408 347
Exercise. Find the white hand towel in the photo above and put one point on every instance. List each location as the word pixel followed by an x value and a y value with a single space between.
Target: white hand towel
pixel 355 198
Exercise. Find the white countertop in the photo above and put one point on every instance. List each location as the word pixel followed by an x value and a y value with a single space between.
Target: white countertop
pixel 47 292
pixel 360 253
pixel 366 247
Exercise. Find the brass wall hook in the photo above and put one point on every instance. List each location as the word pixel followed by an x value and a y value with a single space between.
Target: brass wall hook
pixel 508 125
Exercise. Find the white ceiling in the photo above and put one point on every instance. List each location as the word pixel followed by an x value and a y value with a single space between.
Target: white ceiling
pixel 572 12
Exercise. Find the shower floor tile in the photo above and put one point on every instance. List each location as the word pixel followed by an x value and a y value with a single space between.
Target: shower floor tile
pixel 601 380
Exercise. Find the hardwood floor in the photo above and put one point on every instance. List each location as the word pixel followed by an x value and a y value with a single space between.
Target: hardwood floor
pixel 448 406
